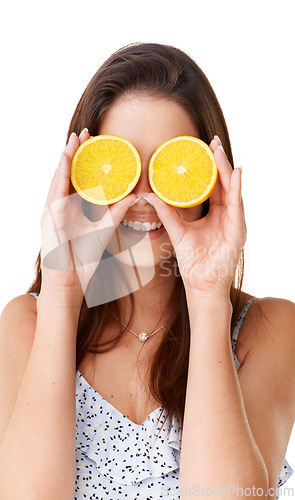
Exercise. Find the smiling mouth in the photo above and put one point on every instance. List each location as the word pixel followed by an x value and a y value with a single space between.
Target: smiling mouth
pixel 141 226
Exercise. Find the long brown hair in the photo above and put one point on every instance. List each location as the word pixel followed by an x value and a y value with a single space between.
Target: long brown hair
pixel 163 71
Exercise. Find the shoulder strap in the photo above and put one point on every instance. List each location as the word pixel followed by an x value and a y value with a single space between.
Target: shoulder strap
pixel 35 295
pixel 237 327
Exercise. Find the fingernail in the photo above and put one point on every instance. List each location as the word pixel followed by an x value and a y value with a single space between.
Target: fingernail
pixel 220 147
pixel 84 130
pixel 135 201
pixel 144 196
pixel 217 138
pixel 73 133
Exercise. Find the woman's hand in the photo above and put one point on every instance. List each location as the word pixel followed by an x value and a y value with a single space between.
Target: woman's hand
pixel 208 250
pixel 72 245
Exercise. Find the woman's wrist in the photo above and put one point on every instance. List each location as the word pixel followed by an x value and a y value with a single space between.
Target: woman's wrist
pixel 208 301
pixel 60 302
pixel 209 315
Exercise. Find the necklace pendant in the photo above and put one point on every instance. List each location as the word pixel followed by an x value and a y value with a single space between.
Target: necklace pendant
pixel 142 336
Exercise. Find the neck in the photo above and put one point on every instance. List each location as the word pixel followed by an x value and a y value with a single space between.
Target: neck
pixel 152 298
pixel 152 308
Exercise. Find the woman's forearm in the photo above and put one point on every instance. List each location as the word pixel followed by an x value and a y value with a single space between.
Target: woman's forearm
pixel 37 453
pixel 218 448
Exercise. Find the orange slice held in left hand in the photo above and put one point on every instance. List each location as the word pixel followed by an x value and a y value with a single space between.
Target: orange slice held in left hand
pixel 182 171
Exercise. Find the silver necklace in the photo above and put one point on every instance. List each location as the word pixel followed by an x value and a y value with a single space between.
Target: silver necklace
pixel 143 336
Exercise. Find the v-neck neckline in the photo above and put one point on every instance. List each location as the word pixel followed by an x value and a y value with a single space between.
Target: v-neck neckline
pixel 113 407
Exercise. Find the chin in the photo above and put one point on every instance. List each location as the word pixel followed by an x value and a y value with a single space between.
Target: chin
pixel 148 254
pixel 139 257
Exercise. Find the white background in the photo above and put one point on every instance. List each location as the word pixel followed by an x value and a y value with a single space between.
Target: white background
pixel 50 52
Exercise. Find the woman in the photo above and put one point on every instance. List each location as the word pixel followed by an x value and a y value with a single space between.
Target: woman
pixel 224 384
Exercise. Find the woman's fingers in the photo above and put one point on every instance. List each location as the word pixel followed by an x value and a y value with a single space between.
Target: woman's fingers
pixel 109 218
pixel 220 194
pixel 235 211
pixel 214 143
pixel 59 187
pixel 64 168
pixel 52 186
pixel 72 145
pixel 170 218
pixel 61 191
pixel 215 198
pixel 114 213
pixel 216 195
pixel 228 188
pixel 91 239
pixel 84 135
pixel 224 171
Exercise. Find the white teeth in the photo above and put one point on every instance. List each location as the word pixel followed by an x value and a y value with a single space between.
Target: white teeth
pixel 148 225
pixel 142 226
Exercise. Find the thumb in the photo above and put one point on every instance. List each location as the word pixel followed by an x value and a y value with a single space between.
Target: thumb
pixel 169 216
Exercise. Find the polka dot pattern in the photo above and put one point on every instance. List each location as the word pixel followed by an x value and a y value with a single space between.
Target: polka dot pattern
pixel 116 458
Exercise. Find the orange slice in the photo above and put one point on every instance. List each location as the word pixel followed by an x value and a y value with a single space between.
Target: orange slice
pixel 105 169
pixel 183 172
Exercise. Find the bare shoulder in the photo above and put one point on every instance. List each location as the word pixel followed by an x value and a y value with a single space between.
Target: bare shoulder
pixel 272 314
pixel 268 319
pixel 17 332
pixel 22 302
pixel 18 318
pixel 276 318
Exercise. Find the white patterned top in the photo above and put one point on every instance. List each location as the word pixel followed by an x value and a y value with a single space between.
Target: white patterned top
pixel 116 458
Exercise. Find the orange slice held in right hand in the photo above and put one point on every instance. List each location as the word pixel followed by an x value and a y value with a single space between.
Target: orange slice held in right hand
pixel 105 169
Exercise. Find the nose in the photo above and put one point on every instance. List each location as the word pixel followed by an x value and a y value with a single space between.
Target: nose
pixel 143 186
